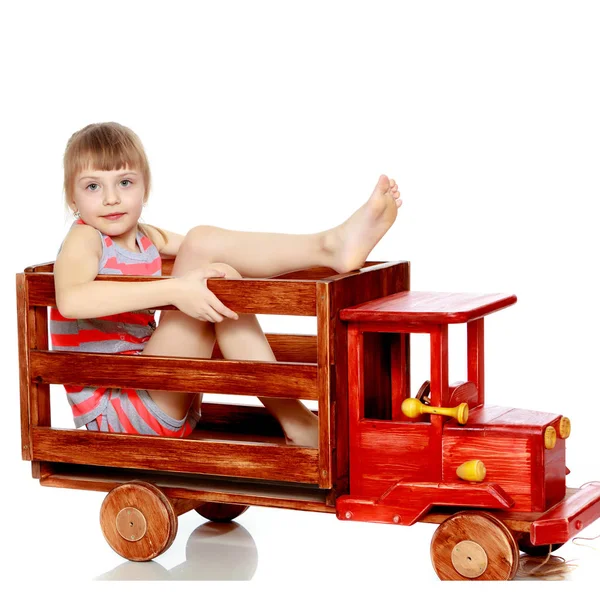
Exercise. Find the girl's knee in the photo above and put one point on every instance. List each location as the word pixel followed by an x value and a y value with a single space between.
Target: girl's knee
pixel 229 271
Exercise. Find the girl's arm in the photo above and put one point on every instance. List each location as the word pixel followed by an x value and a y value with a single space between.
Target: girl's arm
pixel 78 296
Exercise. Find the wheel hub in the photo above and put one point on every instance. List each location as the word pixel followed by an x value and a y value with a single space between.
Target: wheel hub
pixel 131 524
pixel 469 559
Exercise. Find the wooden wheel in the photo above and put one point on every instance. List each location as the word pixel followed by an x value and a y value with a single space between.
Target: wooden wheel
pixel 474 545
pixel 138 521
pixel 525 545
pixel 220 512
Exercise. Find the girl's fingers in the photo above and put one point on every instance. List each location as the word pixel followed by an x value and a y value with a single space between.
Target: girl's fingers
pixel 221 308
pixel 213 315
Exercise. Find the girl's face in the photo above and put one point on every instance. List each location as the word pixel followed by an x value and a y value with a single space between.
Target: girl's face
pixel 110 201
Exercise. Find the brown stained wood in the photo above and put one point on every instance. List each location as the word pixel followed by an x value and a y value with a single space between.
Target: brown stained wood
pixel 257 296
pixel 476 356
pixel 287 380
pixel 192 488
pixel 326 400
pixel 252 460
pixel 238 419
pixel 184 505
pixel 474 546
pixel 287 348
pixel 420 308
pixel 24 377
pixel 138 521
pixel 219 512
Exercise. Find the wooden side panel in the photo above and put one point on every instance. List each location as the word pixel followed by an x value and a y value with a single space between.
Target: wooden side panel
pixel 555 472
pixel 508 458
pixel 256 296
pixel 390 452
pixel 272 462
pixel 285 380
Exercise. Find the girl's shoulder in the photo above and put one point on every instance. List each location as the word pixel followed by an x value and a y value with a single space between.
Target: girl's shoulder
pixel 83 238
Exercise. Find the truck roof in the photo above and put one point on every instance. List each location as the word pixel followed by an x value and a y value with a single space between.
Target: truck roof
pixel 428 307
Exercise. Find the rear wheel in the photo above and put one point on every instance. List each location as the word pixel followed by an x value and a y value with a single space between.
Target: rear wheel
pixel 220 512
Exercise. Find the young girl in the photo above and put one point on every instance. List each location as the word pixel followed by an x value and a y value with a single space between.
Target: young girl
pixel 107 183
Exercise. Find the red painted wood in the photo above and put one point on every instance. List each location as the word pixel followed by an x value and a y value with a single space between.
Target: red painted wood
pixel 428 307
pixel 475 356
pixel 411 501
pixel 400 367
pixel 568 518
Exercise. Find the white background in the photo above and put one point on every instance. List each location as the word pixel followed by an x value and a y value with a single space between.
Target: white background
pixel 280 116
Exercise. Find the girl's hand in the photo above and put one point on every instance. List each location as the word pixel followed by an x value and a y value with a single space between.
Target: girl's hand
pixel 193 297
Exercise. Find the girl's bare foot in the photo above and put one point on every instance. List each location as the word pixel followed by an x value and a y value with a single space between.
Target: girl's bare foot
pixel 350 243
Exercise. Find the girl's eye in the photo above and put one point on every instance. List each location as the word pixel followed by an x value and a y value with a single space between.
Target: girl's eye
pixel 124 181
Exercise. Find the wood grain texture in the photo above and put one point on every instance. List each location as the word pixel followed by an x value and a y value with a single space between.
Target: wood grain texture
pixel 133 510
pixel 428 307
pixel 256 296
pixel 493 541
pixel 569 517
pixel 327 405
pixel 252 460
pixel 24 377
pixel 192 487
pixel 288 380
pixel 349 290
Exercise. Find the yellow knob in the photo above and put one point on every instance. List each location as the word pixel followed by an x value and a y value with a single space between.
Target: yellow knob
pixel 550 437
pixel 564 428
pixel 412 408
pixel 472 470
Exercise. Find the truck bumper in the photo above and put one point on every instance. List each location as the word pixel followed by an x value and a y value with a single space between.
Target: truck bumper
pixel 567 518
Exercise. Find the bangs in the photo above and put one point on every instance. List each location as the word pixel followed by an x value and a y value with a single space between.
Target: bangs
pixel 104 147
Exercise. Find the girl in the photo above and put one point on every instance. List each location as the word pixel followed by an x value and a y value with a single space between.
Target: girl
pixel 107 183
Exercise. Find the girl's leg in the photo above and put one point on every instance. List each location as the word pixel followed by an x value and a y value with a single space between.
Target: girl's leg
pixel 343 248
pixel 178 334
pixel 244 339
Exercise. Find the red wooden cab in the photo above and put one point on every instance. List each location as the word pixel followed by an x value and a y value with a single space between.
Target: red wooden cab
pixel 402 465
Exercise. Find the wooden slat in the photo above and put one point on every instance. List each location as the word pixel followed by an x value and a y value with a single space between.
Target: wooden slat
pixel 272 462
pixel 287 348
pixel 326 399
pixel 256 296
pixel 24 378
pixel 191 487
pixel 289 380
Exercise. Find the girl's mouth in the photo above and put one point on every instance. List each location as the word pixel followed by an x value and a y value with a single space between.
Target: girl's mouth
pixel 114 217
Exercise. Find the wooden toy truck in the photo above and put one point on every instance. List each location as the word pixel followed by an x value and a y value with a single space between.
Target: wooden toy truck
pixel 493 478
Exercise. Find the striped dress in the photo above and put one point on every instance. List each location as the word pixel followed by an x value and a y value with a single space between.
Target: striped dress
pixel 124 410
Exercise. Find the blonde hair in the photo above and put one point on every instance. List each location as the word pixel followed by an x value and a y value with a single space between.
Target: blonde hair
pixel 105 147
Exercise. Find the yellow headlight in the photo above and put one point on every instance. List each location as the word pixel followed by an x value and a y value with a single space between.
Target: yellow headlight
pixel 550 437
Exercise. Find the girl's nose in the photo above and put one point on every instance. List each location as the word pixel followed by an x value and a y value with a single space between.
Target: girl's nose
pixel 111 197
